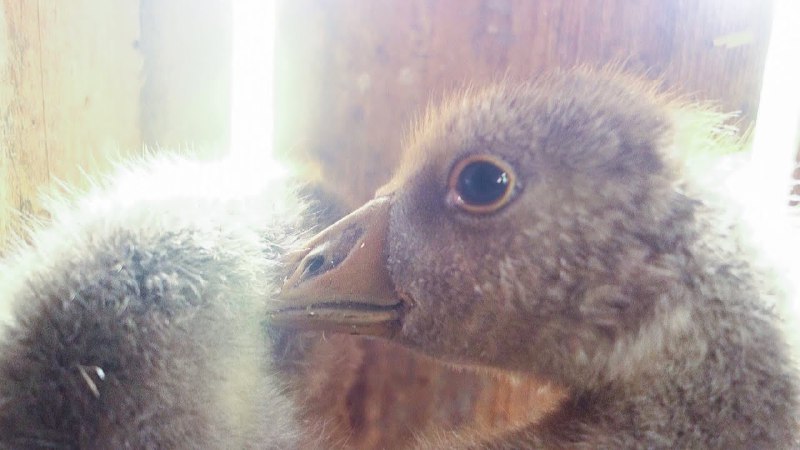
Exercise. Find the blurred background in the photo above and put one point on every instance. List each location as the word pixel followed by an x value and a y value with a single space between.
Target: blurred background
pixel 333 86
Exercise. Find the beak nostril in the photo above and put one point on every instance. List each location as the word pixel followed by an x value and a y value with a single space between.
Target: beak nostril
pixel 345 264
pixel 314 265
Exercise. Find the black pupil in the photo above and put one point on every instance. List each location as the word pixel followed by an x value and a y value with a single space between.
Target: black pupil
pixel 482 183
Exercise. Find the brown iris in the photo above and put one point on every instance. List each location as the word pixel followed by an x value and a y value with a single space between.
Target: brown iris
pixel 481 184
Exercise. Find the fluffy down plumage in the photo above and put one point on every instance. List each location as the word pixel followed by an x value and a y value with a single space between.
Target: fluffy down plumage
pixel 135 319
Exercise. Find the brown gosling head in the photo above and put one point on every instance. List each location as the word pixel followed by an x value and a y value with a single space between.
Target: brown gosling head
pixel 532 227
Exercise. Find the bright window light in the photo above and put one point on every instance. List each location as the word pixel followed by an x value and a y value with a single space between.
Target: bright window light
pixel 776 132
pixel 252 80
pixel 767 184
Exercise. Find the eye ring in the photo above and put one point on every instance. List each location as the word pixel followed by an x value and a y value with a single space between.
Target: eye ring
pixel 481 184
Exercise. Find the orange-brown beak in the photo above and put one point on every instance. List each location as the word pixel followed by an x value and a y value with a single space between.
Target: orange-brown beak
pixel 341 282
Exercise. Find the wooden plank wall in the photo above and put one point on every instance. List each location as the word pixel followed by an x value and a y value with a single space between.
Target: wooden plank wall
pixel 351 73
pixel 69 93
pixel 87 82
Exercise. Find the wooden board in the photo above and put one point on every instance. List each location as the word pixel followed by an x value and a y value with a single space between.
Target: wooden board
pixel 89 82
pixel 352 73
pixel 69 97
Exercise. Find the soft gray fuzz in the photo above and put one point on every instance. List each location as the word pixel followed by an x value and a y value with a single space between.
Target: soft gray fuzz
pixel 134 318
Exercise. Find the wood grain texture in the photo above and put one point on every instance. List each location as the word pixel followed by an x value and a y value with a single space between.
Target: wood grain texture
pixel 351 74
pixel 370 394
pixel 69 97
pixel 23 156
pixel 89 82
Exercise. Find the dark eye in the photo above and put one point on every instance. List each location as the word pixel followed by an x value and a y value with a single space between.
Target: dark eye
pixel 481 184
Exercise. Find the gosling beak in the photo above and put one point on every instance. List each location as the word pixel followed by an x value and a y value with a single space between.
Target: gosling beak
pixel 341 283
